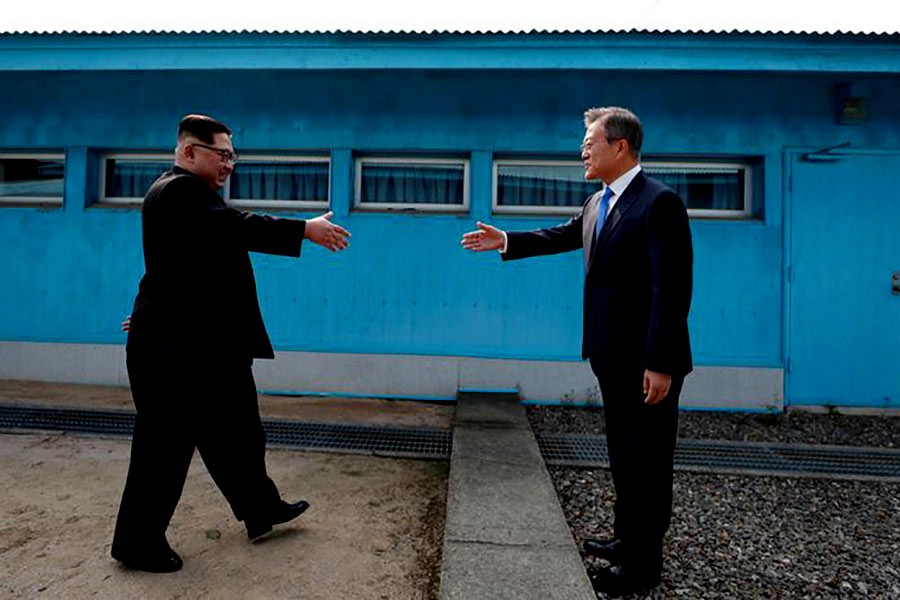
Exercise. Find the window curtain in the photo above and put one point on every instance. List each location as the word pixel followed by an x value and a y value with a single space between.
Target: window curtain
pixel 279 181
pixel 518 190
pixel 130 179
pixel 716 190
pixel 405 184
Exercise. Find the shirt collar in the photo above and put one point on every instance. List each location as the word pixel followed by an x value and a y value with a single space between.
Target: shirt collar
pixel 624 180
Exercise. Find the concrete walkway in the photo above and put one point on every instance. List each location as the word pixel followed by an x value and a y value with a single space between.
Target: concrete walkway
pixel 505 534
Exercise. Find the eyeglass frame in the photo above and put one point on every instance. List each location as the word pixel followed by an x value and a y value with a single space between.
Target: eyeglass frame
pixel 591 143
pixel 224 155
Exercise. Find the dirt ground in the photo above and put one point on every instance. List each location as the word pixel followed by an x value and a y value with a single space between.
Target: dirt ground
pixel 374 529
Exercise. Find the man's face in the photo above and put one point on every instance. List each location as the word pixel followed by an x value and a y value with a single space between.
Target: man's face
pixel 599 155
pixel 207 161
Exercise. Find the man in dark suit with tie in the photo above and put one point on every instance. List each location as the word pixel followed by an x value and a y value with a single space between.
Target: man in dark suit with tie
pixel 193 334
pixel 637 293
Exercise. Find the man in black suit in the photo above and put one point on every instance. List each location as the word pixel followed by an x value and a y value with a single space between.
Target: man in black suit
pixel 193 334
pixel 638 260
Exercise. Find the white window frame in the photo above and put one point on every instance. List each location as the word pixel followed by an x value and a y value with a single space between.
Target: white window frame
pixel 36 200
pixel 298 204
pixel 742 214
pixel 165 160
pixel 408 207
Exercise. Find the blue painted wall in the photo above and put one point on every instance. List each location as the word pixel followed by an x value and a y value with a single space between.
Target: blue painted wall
pixel 404 286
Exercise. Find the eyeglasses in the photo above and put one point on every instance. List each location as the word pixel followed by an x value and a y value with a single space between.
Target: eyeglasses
pixel 225 155
pixel 591 143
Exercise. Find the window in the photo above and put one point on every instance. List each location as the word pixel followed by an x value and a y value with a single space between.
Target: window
pixel 126 177
pixel 256 182
pixel 279 182
pixel 546 187
pixel 31 178
pixel 708 189
pixel 425 184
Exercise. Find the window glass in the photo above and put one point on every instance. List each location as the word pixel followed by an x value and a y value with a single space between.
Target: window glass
pixel 422 183
pixel 31 178
pixel 280 180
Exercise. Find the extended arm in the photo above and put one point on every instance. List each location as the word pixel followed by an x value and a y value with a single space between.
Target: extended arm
pixel 271 235
pixel 522 244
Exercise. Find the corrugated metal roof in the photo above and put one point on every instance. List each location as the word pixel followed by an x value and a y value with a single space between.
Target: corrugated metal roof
pixel 444 32
pixel 476 17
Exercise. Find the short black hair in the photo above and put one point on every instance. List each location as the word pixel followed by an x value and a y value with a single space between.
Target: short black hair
pixel 618 124
pixel 202 127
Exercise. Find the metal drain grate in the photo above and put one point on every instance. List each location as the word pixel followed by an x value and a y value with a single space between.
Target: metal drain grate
pixel 406 442
pixel 105 422
pixel 557 448
pixel 369 439
pixel 738 457
pixel 573 450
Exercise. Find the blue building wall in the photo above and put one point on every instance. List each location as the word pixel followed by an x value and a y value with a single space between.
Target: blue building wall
pixel 405 286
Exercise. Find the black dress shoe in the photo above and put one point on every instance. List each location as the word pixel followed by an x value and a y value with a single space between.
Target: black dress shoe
pixel 609 549
pixel 617 581
pixel 283 512
pixel 164 560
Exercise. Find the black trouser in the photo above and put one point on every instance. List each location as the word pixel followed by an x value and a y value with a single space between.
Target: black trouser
pixel 641 445
pixel 182 405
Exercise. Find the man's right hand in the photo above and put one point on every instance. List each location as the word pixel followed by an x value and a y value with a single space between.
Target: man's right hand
pixel 325 233
pixel 486 238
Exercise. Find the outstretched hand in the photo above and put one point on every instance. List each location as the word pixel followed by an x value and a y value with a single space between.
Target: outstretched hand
pixel 486 238
pixel 325 233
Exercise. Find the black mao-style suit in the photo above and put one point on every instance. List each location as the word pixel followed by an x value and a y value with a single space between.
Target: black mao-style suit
pixel 637 295
pixel 195 329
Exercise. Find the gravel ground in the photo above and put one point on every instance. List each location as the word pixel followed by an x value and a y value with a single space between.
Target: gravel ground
pixel 759 537
pixel 755 537
pixel 795 427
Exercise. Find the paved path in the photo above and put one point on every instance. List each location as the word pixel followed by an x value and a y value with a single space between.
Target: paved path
pixel 505 534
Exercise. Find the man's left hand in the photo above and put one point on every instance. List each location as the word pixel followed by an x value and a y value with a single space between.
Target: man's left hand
pixel 656 386
pixel 327 234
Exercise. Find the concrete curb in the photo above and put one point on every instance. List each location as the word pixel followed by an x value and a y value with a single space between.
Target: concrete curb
pixel 505 534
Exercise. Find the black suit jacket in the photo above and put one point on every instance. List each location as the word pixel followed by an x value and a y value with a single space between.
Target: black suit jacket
pixel 197 298
pixel 638 278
